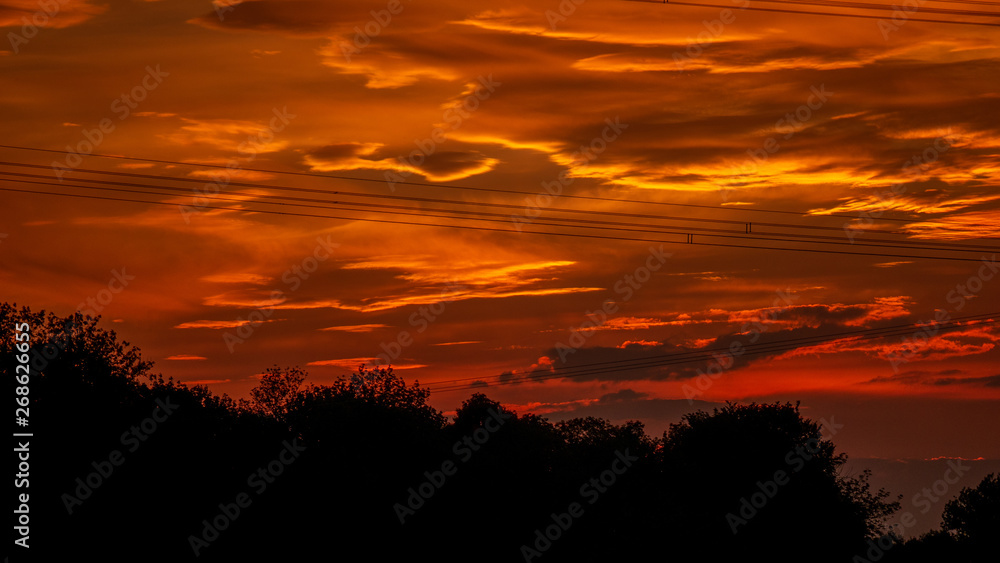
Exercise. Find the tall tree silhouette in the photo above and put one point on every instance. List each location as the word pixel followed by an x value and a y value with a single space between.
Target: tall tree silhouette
pixel 763 479
pixel 117 447
pixel 974 518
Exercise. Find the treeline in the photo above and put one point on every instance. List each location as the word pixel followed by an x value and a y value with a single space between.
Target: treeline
pixel 131 467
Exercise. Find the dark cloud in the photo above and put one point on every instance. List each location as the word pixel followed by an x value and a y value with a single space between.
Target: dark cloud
pixel 986 381
pixel 446 163
pixel 337 151
pixel 946 377
pixel 301 17
pixel 752 336
pixel 621 396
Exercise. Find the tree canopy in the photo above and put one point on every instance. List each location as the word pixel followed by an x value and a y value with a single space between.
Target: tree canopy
pixel 343 461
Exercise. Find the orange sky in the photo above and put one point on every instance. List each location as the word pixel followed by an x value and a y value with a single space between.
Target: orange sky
pixel 838 111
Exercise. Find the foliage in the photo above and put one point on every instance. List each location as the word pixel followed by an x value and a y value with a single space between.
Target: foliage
pixel 275 391
pixel 974 516
pixel 371 440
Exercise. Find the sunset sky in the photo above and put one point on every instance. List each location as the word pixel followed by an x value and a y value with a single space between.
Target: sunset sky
pixel 611 99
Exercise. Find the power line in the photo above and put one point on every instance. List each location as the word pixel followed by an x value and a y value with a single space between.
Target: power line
pixel 491 229
pixel 816 13
pixel 983 2
pixel 442 186
pixel 966 2
pixel 519 207
pixel 603 213
pixel 540 221
pixel 870 6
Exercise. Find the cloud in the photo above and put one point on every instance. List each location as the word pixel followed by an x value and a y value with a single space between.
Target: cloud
pixel 68 13
pixel 353 363
pixel 959 226
pixel 787 317
pixel 763 336
pixel 624 395
pixel 925 344
pixel 946 377
pixel 432 282
pixel 236 137
pixel 438 166
pixel 640 343
pixel 925 202
pixel 299 17
pixel 356 328
pixel 218 325
pixel 237 277
pixel 664 61
pixel 234 174
pixel 382 68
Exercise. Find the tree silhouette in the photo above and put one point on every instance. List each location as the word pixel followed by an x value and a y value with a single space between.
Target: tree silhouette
pixel 371 440
pixel 974 517
pixel 378 395
pixel 475 410
pixel 276 389
pixel 747 477
pixel 93 400
pixel 969 533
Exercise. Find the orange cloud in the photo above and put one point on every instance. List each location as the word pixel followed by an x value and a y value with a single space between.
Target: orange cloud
pixel 356 328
